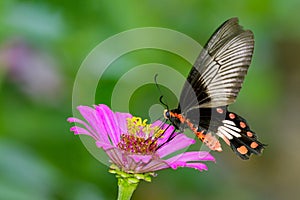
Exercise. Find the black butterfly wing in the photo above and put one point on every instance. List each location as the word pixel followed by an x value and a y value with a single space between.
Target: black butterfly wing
pixel 232 128
pixel 236 132
pixel 219 71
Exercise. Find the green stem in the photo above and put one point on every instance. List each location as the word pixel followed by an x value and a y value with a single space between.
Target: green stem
pixel 126 188
pixel 128 181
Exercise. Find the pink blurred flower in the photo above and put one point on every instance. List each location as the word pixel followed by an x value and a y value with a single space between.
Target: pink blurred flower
pixel 34 71
pixel 134 146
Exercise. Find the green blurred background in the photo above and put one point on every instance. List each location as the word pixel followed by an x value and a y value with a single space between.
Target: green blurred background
pixel 42 47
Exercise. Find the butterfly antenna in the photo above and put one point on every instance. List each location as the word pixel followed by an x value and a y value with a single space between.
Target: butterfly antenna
pixel 159 90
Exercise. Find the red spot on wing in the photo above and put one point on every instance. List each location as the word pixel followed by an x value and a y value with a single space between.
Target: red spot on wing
pixel 242 150
pixel 253 145
pixel 231 115
pixel 243 125
pixel 249 134
pixel 220 110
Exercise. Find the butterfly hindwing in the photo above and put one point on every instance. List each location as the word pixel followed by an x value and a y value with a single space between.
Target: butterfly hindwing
pixel 236 132
pixel 229 126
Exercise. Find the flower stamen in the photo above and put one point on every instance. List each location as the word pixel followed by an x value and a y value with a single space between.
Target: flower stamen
pixel 141 138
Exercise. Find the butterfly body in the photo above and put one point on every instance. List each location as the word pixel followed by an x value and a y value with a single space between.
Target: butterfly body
pixel 181 122
pixel 212 84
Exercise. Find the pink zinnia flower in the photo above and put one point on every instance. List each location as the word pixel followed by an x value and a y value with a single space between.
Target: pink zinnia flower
pixel 134 146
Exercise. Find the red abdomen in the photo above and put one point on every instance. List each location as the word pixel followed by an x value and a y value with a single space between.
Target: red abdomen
pixel 205 136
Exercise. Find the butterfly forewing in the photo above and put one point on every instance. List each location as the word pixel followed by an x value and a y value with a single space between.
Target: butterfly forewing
pixel 218 73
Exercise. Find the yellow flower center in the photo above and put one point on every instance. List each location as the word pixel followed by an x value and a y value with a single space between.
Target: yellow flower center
pixel 141 138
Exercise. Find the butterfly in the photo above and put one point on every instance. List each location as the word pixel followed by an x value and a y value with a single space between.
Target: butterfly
pixel 212 84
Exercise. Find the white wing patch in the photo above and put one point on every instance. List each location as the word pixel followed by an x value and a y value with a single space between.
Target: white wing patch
pixel 228 122
pixel 229 130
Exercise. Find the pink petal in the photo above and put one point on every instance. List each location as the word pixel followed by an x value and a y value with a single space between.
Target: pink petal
pixel 180 141
pixel 152 166
pixel 122 120
pixel 175 165
pixel 141 158
pixel 117 157
pixel 79 130
pixel 192 156
pixel 198 166
pixel 160 124
pixel 189 159
pixel 168 131
pixel 89 129
pixel 104 146
pixel 72 119
pixel 109 123
pixel 135 163
pixel 91 117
